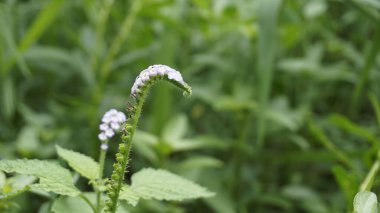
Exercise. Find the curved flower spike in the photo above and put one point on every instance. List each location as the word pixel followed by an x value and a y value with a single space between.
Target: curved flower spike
pixel 155 73
pixel 139 91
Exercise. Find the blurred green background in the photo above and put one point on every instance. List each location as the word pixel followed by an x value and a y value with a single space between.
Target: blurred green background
pixel 285 113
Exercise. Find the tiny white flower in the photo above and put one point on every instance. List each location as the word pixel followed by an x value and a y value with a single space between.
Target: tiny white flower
pixel 114 119
pixel 138 83
pixel 161 70
pixel 152 72
pixel 144 76
pixel 115 126
pixel 175 75
pixel 109 133
pixel 103 127
pixel 111 121
pixel 104 146
pixel 102 136
pixel 121 116
pixel 106 119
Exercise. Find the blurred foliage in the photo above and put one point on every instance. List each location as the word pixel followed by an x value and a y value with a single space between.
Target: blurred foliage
pixel 285 114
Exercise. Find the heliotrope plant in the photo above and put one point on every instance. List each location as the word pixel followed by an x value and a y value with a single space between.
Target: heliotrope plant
pixel 146 184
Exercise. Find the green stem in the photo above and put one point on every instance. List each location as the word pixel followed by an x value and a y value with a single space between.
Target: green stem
pixel 120 169
pixel 367 183
pixel 102 158
pixel 122 157
pixel 120 38
pixel 369 62
pixel 88 202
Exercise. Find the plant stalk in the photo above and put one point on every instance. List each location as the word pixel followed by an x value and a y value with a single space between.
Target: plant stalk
pixel 129 131
pixel 102 158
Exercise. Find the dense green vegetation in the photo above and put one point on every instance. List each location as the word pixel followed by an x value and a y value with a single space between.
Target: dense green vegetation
pixel 285 111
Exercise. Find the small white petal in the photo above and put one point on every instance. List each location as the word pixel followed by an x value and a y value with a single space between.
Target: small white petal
pixel 161 71
pixel 144 77
pixel 106 119
pixel 115 126
pixel 114 119
pixel 109 133
pixel 103 127
pixel 102 136
pixel 104 146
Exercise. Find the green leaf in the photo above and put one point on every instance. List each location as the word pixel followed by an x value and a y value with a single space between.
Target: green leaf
pixel 128 194
pixel 77 204
pixel 83 164
pixel 53 177
pixel 70 204
pixel 44 19
pixel 351 127
pixel 176 128
pixel 365 202
pixel 3 179
pixel 161 185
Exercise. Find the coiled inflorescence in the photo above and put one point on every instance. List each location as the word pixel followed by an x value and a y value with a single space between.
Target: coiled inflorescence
pixel 111 122
pixel 158 72
pixel 139 91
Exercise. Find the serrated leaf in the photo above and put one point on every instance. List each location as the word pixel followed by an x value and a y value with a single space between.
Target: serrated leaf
pixel 365 202
pixel 129 195
pixel 83 164
pixel 161 185
pixel 53 177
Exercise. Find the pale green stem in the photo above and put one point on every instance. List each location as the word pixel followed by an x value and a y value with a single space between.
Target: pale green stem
pixel 128 145
pixel 102 158
pixel 120 38
pixel 88 202
pixel 100 29
pixel 368 181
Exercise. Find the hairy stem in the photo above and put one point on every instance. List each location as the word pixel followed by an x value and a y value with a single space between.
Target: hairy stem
pixel 122 161
pixel 139 91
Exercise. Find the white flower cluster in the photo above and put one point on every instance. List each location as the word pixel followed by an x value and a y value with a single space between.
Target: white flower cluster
pixel 111 122
pixel 152 71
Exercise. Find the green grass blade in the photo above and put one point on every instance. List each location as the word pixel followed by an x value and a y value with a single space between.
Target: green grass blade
pixel 267 38
pixel 376 107
pixel 118 41
pixel 44 19
pixel 369 62
pixel 320 136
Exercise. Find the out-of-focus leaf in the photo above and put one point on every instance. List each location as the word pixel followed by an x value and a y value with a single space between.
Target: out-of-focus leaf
pixel 351 127
pixel 28 141
pixel 376 107
pixel 196 162
pixel 348 182
pixel 8 97
pixel 365 202
pixel 266 49
pixel 144 144
pixel 308 199
pixel 314 8
pixel 2 180
pixel 197 143
pixel 70 205
pixel 45 17
pixel 65 204
pixel 176 128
